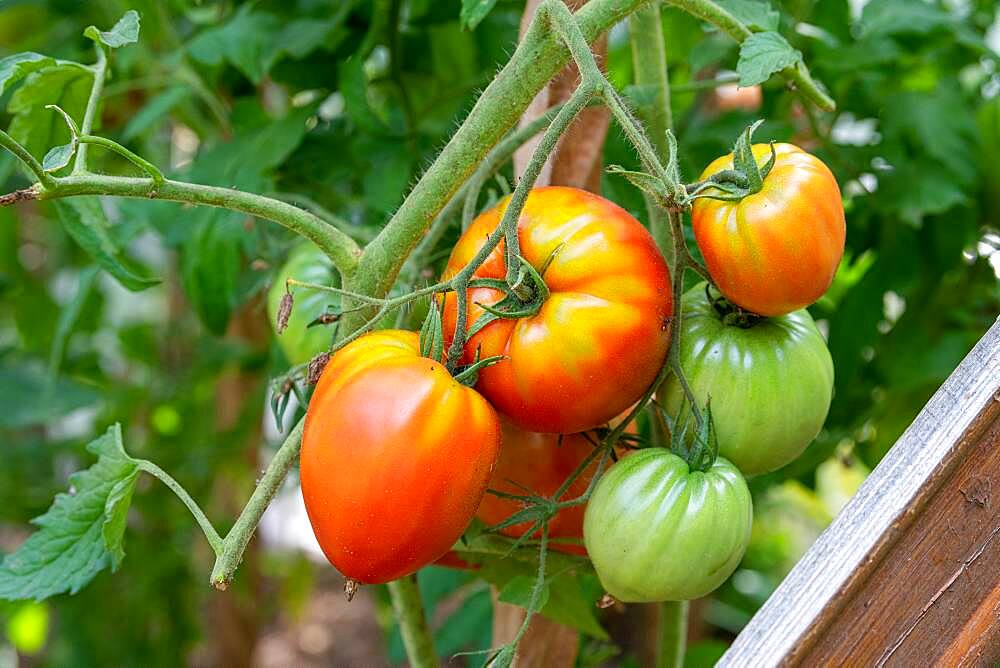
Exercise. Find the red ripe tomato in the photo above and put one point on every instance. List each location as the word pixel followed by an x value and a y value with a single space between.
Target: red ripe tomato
pixel 540 463
pixel 774 251
pixel 396 456
pixel 599 338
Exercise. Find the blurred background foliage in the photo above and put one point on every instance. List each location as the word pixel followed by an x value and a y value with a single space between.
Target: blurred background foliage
pixel 338 106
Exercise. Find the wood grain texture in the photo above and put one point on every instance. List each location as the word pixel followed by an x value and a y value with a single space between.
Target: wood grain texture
pixel 908 573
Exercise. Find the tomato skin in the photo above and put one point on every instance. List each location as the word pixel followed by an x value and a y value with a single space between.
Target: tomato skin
pixel 770 384
pixel 306 262
pixel 606 318
pixel 657 531
pixel 395 457
pixel 775 251
pixel 540 463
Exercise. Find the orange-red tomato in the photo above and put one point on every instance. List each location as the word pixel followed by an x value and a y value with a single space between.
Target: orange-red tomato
pixel 600 337
pixel 396 456
pixel 540 463
pixel 774 251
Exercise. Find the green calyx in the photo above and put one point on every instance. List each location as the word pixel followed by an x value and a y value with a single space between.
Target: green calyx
pixel 692 435
pixel 731 314
pixel 469 375
pixel 524 297
pixel 744 179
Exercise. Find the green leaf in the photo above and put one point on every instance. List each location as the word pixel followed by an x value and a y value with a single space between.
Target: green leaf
pixel 888 17
pixel 84 220
pixel 571 595
pixel 762 54
pixel 211 260
pixel 16 67
pixel 943 125
pixel 82 532
pixel 58 157
pixel 474 11
pixel 242 42
pixel 518 591
pixel 126 31
pixel 354 88
pixel 64 84
pixel 758 15
pixel 253 41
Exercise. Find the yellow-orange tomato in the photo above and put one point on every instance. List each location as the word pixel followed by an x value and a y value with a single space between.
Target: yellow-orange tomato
pixel 540 463
pixel 774 251
pixel 599 338
pixel 396 456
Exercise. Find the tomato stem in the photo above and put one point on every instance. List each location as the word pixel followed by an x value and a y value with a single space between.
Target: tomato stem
pixel 409 609
pixel 673 624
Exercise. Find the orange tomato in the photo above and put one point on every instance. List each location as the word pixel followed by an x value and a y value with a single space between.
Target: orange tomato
pixel 774 251
pixel 396 456
pixel 601 336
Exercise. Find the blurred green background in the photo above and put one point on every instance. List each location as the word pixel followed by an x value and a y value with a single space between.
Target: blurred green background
pixel 339 105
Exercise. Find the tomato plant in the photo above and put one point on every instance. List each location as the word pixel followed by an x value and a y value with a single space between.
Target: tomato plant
pixel 658 531
pixel 770 380
pixel 532 462
pixel 606 314
pixel 299 342
pixel 775 250
pixel 396 455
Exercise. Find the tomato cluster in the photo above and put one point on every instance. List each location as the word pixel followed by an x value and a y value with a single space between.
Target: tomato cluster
pixel 397 453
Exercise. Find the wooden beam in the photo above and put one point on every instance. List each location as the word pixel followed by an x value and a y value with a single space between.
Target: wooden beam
pixel 909 572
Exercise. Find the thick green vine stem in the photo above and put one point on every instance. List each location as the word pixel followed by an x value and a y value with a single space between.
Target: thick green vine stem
pixel 409 609
pixel 538 57
pixel 342 249
pixel 797 75
pixel 236 541
pixel 672 634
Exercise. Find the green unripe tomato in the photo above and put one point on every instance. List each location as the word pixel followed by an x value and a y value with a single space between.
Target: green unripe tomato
pixel 657 531
pixel 770 383
pixel 307 263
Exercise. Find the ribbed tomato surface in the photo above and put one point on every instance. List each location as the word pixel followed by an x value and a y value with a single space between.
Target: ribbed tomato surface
pixel 777 250
pixel 601 336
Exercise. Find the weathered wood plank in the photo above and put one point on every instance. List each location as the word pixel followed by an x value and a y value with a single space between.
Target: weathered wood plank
pixel 911 567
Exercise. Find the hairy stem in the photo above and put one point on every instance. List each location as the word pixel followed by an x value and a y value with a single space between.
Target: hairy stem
pixel 343 250
pixel 236 541
pixel 497 157
pixel 537 59
pixel 138 161
pixel 409 609
pixel 508 224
